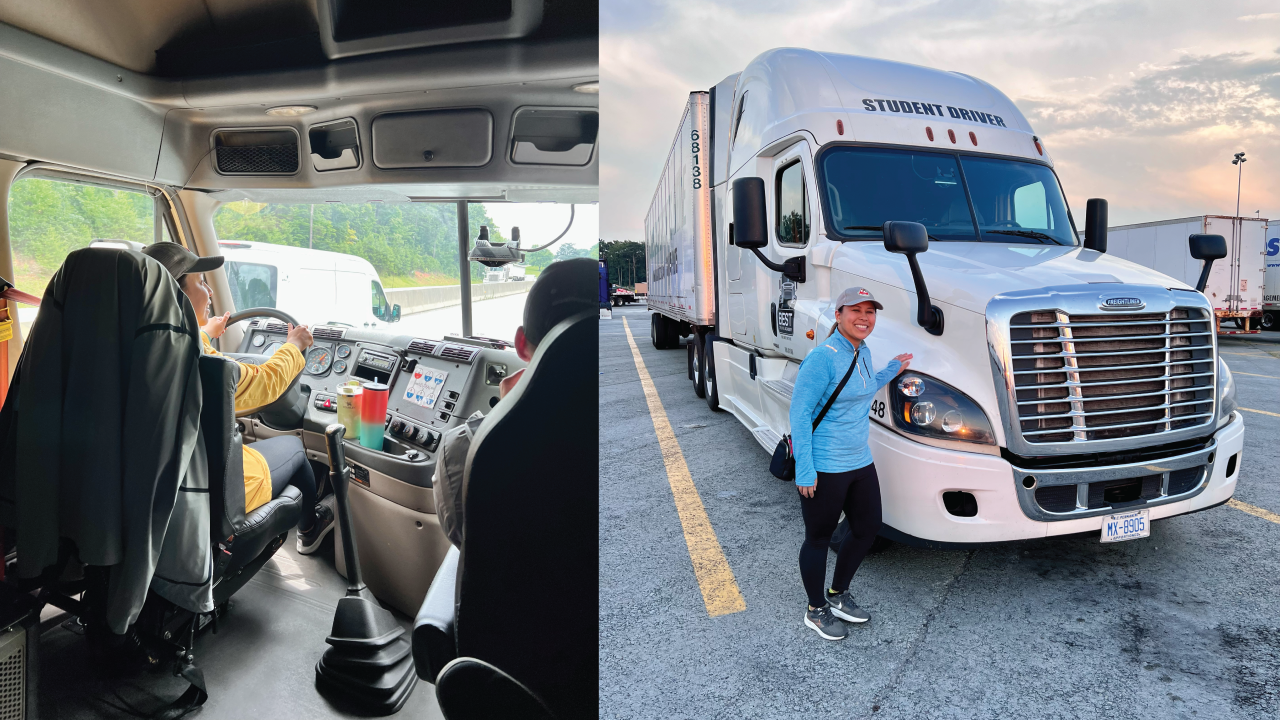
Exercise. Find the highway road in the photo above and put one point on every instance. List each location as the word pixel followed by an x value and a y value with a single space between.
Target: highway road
pixel 1183 624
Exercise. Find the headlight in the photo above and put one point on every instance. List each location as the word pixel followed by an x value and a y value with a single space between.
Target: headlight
pixel 1226 393
pixel 926 406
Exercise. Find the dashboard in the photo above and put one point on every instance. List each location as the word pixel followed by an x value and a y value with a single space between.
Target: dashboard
pixel 433 386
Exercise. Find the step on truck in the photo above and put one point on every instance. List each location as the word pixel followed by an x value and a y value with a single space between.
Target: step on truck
pixel 1235 286
pixel 1056 388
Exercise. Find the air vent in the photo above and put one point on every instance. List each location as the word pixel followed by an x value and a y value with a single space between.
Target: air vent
pixel 328 333
pixel 423 347
pixel 460 353
pixel 270 326
pixel 256 152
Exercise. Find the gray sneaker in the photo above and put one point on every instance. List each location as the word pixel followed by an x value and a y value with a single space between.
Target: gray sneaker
pixel 825 624
pixel 843 607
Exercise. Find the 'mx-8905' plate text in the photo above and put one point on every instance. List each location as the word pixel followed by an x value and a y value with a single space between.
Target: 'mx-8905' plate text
pixel 1126 526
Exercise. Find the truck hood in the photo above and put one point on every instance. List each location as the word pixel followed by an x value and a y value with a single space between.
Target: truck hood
pixel 969 274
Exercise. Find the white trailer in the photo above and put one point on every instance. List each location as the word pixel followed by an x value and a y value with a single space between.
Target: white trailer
pixel 1271 295
pixel 1088 386
pixel 1236 282
pixel 678 252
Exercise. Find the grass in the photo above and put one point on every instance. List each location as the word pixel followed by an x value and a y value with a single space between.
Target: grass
pixel 418 279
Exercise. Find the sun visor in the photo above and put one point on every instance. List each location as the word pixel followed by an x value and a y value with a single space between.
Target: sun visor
pixel 554 136
pixel 433 138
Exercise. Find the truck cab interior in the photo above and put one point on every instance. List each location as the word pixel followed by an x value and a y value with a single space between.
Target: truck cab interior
pixel 133 123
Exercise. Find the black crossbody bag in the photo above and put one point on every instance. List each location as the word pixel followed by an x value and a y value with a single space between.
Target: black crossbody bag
pixel 783 464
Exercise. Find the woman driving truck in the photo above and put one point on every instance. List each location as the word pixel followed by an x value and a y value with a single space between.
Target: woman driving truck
pixel 271 464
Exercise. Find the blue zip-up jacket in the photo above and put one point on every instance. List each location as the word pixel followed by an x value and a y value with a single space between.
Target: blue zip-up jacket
pixel 840 442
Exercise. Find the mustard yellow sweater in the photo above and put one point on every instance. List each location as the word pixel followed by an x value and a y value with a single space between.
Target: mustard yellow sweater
pixel 260 385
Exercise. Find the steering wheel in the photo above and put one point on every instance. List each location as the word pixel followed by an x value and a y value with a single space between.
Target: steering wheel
pixel 289 408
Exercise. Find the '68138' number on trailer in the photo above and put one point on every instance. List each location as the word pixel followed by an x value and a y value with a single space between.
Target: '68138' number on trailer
pixel 695 146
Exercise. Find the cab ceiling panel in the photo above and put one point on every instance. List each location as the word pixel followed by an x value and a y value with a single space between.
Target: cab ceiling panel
pixel 47 117
pixel 467 131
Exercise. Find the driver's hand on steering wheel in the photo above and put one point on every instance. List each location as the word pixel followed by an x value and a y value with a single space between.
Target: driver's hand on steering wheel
pixel 300 336
pixel 216 326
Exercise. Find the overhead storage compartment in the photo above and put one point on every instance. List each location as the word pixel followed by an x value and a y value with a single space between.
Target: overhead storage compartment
pixel 334 145
pixel 554 136
pixel 256 151
pixel 433 138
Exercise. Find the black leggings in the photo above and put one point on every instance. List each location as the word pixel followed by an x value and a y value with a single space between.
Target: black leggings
pixel 288 462
pixel 857 493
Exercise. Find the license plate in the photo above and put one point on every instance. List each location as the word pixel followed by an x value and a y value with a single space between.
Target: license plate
pixel 1126 526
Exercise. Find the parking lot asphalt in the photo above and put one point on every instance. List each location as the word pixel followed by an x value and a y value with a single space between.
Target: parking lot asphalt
pixel 1183 624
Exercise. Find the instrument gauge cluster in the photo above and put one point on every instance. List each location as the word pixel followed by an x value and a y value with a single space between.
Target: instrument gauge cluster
pixel 318 360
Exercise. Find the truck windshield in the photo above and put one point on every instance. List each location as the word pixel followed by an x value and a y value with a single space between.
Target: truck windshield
pixel 1007 201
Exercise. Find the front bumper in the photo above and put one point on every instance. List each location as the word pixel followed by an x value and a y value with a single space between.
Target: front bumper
pixel 913 478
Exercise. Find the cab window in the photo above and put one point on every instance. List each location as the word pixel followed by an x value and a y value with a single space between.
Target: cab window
pixel 792 203
pixel 48 219
pixel 252 284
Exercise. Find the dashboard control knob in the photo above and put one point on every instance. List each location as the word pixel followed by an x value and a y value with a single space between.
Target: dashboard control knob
pixel 397 427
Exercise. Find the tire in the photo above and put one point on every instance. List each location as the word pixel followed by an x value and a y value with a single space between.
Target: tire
pixel 1270 321
pixel 711 392
pixel 657 334
pixel 699 367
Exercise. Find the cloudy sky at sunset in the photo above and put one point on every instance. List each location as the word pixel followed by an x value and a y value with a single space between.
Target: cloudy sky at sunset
pixel 1141 103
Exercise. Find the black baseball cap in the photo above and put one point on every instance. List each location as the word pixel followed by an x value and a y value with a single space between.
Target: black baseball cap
pixel 180 261
pixel 563 289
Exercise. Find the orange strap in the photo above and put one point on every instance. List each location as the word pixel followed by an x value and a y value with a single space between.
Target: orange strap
pixel 9 293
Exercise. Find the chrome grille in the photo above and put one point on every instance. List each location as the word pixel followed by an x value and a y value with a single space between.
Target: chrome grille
pixel 1088 377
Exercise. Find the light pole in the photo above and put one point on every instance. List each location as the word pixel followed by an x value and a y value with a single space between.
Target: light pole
pixel 1239 161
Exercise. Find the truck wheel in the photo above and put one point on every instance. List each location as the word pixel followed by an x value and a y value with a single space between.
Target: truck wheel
pixel 1269 321
pixel 699 367
pixel 656 331
pixel 711 393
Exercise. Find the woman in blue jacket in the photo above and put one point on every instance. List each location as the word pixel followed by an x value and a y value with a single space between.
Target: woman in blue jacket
pixel 834 471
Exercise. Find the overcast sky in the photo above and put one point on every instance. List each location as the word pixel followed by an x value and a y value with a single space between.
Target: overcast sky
pixel 540 223
pixel 1141 103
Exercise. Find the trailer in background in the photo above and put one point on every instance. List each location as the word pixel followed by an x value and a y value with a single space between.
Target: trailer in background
pixel 642 291
pixel 1236 282
pixel 1271 294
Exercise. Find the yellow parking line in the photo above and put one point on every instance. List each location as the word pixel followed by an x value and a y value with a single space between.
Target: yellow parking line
pixel 1260 412
pixel 715 578
pixel 1237 372
pixel 1255 511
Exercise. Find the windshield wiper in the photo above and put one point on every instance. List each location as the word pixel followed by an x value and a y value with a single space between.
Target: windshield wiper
pixel 1026 234
pixel 878 227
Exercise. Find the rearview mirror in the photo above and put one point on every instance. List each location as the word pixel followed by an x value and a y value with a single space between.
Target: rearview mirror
pixel 1095 225
pixel 395 313
pixel 750 221
pixel 1207 247
pixel 903 236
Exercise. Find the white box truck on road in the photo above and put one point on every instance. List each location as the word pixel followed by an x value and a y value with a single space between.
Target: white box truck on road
pixel 1235 283
pixel 1061 386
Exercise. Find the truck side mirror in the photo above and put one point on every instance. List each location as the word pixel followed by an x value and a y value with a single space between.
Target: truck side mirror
pixel 395 313
pixel 750 227
pixel 750 219
pixel 905 237
pixel 1207 248
pixel 1095 225
pixel 909 238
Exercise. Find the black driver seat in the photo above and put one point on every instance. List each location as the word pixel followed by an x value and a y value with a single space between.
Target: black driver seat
pixel 242 542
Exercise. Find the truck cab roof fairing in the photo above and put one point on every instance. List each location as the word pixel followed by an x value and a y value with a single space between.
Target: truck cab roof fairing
pixel 787 87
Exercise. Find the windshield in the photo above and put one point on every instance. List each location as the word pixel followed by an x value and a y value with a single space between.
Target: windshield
pixel 1014 202
pixel 390 265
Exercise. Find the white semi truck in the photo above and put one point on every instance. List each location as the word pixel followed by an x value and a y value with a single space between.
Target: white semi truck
pixel 1064 390
pixel 1235 286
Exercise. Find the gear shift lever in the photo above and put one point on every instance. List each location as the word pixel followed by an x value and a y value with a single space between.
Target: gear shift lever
pixel 368 663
